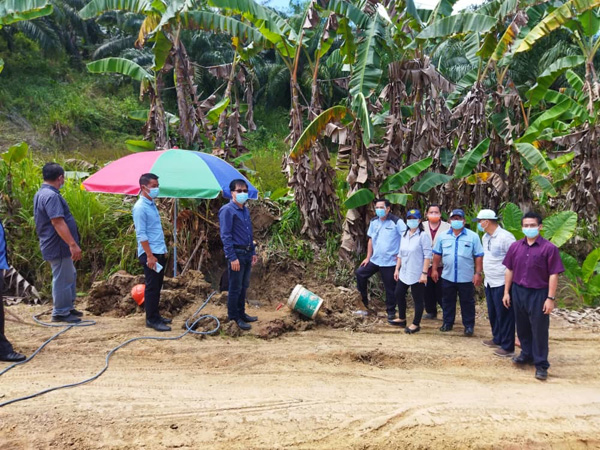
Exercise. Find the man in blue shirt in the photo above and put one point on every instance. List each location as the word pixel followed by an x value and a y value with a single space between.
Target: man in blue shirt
pixel 462 254
pixel 7 352
pixel 238 244
pixel 385 231
pixel 59 242
pixel 151 249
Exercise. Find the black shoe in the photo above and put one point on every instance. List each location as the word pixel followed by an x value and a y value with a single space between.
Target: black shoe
pixel 397 323
pixel 469 331
pixel 446 327
pixel 430 316
pixel 158 326
pixel 408 330
pixel 248 318
pixel 521 360
pixel 366 303
pixel 76 313
pixel 165 320
pixel 69 318
pixel 541 374
pixel 13 357
pixel 243 325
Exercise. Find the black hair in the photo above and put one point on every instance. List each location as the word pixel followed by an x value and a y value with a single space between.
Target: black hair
pixel 433 205
pixel 384 200
pixel 146 177
pixel 51 171
pixel 532 215
pixel 237 182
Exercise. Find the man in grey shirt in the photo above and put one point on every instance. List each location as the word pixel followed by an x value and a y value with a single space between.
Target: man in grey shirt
pixel 59 242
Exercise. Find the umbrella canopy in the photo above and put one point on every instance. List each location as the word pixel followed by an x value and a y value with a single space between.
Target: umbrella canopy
pixel 182 174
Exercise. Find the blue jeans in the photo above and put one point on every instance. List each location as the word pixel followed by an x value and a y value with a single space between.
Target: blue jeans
pixel 238 284
pixel 64 279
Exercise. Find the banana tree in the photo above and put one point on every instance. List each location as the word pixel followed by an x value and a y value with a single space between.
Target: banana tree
pixel 13 11
pixel 573 120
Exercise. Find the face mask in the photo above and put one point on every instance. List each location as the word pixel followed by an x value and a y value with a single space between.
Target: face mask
pixel 457 224
pixel 380 212
pixel 153 192
pixel 531 232
pixel 480 228
pixel 433 219
pixel 412 223
pixel 241 197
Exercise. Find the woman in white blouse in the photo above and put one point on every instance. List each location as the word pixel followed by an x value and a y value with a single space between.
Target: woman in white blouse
pixel 414 257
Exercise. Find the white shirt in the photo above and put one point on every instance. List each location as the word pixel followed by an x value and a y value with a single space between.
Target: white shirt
pixel 495 248
pixel 414 250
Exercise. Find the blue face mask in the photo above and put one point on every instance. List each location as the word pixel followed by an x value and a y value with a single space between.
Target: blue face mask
pixel 153 192
pixel 380 212
pixel 412 223
pixel 457 224
pixel 480 228
pixel 531 232
pixel 241 197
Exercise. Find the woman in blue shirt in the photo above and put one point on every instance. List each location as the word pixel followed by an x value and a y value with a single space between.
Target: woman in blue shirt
pixel 414 257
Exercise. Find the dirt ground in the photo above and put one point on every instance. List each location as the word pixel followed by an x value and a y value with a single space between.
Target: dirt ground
pixel 341 382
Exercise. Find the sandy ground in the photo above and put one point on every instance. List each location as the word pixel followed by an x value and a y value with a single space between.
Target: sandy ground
pixel 321 388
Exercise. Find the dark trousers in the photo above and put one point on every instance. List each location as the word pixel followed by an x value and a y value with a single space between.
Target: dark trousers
pixel 387 275
pixel 418 291
pixel 466 295
pixel 432 295
pixel 5 347
pixel 154 282
pixel 238 285
pixel 502 319
pixel 532 323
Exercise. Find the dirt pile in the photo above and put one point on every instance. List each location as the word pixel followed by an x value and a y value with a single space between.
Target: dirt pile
pixel 113 296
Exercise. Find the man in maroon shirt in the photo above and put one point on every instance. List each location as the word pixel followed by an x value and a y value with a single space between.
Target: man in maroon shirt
pixel 532 267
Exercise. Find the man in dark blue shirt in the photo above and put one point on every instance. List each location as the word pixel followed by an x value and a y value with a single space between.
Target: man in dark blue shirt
pixel 238 244
pixel 59 242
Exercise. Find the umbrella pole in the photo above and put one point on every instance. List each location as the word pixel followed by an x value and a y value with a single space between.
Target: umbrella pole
pixel 175 239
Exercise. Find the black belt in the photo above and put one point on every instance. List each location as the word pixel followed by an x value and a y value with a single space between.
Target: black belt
pixel 248 248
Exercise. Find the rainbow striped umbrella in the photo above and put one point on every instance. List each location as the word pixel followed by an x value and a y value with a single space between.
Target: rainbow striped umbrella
pixel 182 174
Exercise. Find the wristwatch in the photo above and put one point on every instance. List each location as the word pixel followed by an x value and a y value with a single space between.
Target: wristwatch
pixel 479 273
pixel 552 298
pixel 424 273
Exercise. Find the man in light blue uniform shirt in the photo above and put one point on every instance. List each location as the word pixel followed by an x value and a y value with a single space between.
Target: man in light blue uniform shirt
pixel 151 249
pixel 385 231
pixel 462 254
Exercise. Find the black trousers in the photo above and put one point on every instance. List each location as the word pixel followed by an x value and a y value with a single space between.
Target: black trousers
pixel 239 281
pixel 154 282
pixel 502 319
pixel 387 275
pixel 5 346
pixel 432 295
pixel 532 323
pixel 466 296
pixel 418 291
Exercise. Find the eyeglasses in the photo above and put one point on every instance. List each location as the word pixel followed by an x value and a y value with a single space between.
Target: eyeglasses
pixel 240 190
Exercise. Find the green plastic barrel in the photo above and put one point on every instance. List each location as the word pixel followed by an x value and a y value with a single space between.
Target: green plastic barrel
pixel 304 301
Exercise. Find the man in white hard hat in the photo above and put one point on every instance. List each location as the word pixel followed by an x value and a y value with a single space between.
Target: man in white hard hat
pixel 496 242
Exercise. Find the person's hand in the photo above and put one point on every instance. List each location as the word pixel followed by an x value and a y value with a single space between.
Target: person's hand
pixel 506 300
pixel 423 278
pixel 75 252
pixel 477 279
pixel 151 262
pixel 435 276
pixel 254 259
pixel 235 265
pixel 365 262
pixel 548 306
pixel 396 275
